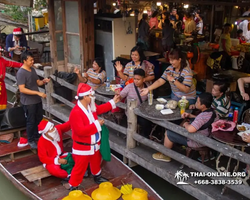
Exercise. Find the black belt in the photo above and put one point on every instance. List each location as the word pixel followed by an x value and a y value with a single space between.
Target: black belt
pixel 86 144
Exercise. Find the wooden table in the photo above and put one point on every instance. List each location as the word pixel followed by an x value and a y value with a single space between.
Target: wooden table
pixel 232 139
pixel 151 113
pixel 102 90
pixel 235 74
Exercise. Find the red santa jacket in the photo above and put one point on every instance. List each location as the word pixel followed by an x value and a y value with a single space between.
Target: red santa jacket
pixel 84 128
pixel 48 150
pixel 7 63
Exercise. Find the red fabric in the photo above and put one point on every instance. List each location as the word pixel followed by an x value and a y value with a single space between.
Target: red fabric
pixel 81 129
pixel 47 151
pixel 42 125
pixel 81 164
pixel 3 64
pixel 82 87
pixel 55 170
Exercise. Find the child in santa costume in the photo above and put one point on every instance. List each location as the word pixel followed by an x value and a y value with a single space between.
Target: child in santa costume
pixel 86 134
pixel 3 64
pixel 50 147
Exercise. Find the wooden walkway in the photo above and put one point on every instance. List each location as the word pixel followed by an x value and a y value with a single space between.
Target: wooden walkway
pixel 125 143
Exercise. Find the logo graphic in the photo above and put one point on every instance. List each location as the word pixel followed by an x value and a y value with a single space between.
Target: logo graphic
pixel 181 177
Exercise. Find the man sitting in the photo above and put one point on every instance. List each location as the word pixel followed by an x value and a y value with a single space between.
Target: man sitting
pixel 200 125
pixel 50 147
pixel 132 91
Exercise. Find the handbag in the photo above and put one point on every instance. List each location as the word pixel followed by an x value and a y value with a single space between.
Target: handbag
pixel 105 148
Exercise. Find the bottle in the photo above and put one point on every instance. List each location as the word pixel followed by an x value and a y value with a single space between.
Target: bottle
pixel 183 104
pixel 230 113
pixel 235 118
pixel 107 85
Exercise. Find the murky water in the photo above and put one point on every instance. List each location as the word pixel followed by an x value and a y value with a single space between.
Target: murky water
pixel 165 189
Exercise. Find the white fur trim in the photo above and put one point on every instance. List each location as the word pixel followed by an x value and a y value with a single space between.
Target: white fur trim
pixel 55 143
pixel 86 93
pixel 98 173
pixel 92 151
pixel 17 33
pixel 76 97
pixel 98 125
pixel 56 160
pixel 46 129
pixel 22 145
pixel 112 103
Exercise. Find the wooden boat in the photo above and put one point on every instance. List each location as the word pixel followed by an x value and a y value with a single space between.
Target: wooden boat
pixel 23 168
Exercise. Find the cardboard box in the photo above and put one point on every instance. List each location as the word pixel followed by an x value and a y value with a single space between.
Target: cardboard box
pixel 210 82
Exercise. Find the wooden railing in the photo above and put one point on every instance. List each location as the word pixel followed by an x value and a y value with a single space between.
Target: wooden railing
pixel 142 154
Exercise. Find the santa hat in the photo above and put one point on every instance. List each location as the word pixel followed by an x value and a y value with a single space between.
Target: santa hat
pixel 17 31
pixel 44 126
pixel 22 142
pixel 84 90
pixel 1 49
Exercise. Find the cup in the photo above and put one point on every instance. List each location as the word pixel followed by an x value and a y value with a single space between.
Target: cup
pixel 150 99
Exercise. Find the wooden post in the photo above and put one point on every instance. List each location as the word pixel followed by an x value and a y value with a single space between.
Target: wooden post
pixel 132 126
pixel 48 88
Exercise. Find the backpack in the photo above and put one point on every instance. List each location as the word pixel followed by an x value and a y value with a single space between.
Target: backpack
pixel 214 60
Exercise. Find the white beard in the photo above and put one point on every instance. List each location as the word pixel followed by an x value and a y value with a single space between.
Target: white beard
pixel 55 135
pixel 92 104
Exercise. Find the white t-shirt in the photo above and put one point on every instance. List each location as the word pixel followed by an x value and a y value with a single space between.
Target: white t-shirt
pixel 200 25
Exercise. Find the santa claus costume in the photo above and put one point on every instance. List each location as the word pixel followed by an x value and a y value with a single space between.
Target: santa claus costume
pixel 3 64
pixel 49 151
pixel 86 136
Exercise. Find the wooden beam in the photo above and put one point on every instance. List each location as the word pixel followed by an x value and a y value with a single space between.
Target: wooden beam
pixel 26 3
pixel 222 3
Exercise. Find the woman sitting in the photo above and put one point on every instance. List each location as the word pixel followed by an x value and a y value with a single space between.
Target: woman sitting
pixel 95 76
pixel 180 77
pixel 138 61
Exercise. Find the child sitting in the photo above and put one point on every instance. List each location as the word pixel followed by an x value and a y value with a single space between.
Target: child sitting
pixel 200 125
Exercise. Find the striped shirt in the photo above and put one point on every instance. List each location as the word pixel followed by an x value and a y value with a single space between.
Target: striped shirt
pixel 221 105
pixel 145 65
pixel 187 76
pixel 129 93
pixel 198 122
pixel 98 76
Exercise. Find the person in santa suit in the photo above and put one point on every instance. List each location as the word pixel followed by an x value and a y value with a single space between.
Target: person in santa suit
pixel 86 135
pixel 50 147
pixel 3 64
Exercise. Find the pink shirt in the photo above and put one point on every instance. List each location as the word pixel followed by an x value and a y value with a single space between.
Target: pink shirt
pixel 153 22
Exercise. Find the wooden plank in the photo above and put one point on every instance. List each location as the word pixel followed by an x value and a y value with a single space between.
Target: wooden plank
pixel 81 31
pixel 22 164
pixel 65 41
pixel 36 32
pixel 223 148
pixel 27 3
pixel 12 131
pixel 35 176
pixel 33 170
pixel 143 156
pixel 11 148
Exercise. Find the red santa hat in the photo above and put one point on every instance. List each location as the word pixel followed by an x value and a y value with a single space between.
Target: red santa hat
pixel 22 142
pixel 45 126
pixel 17 31
pixel 1 49
pixel 84 90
